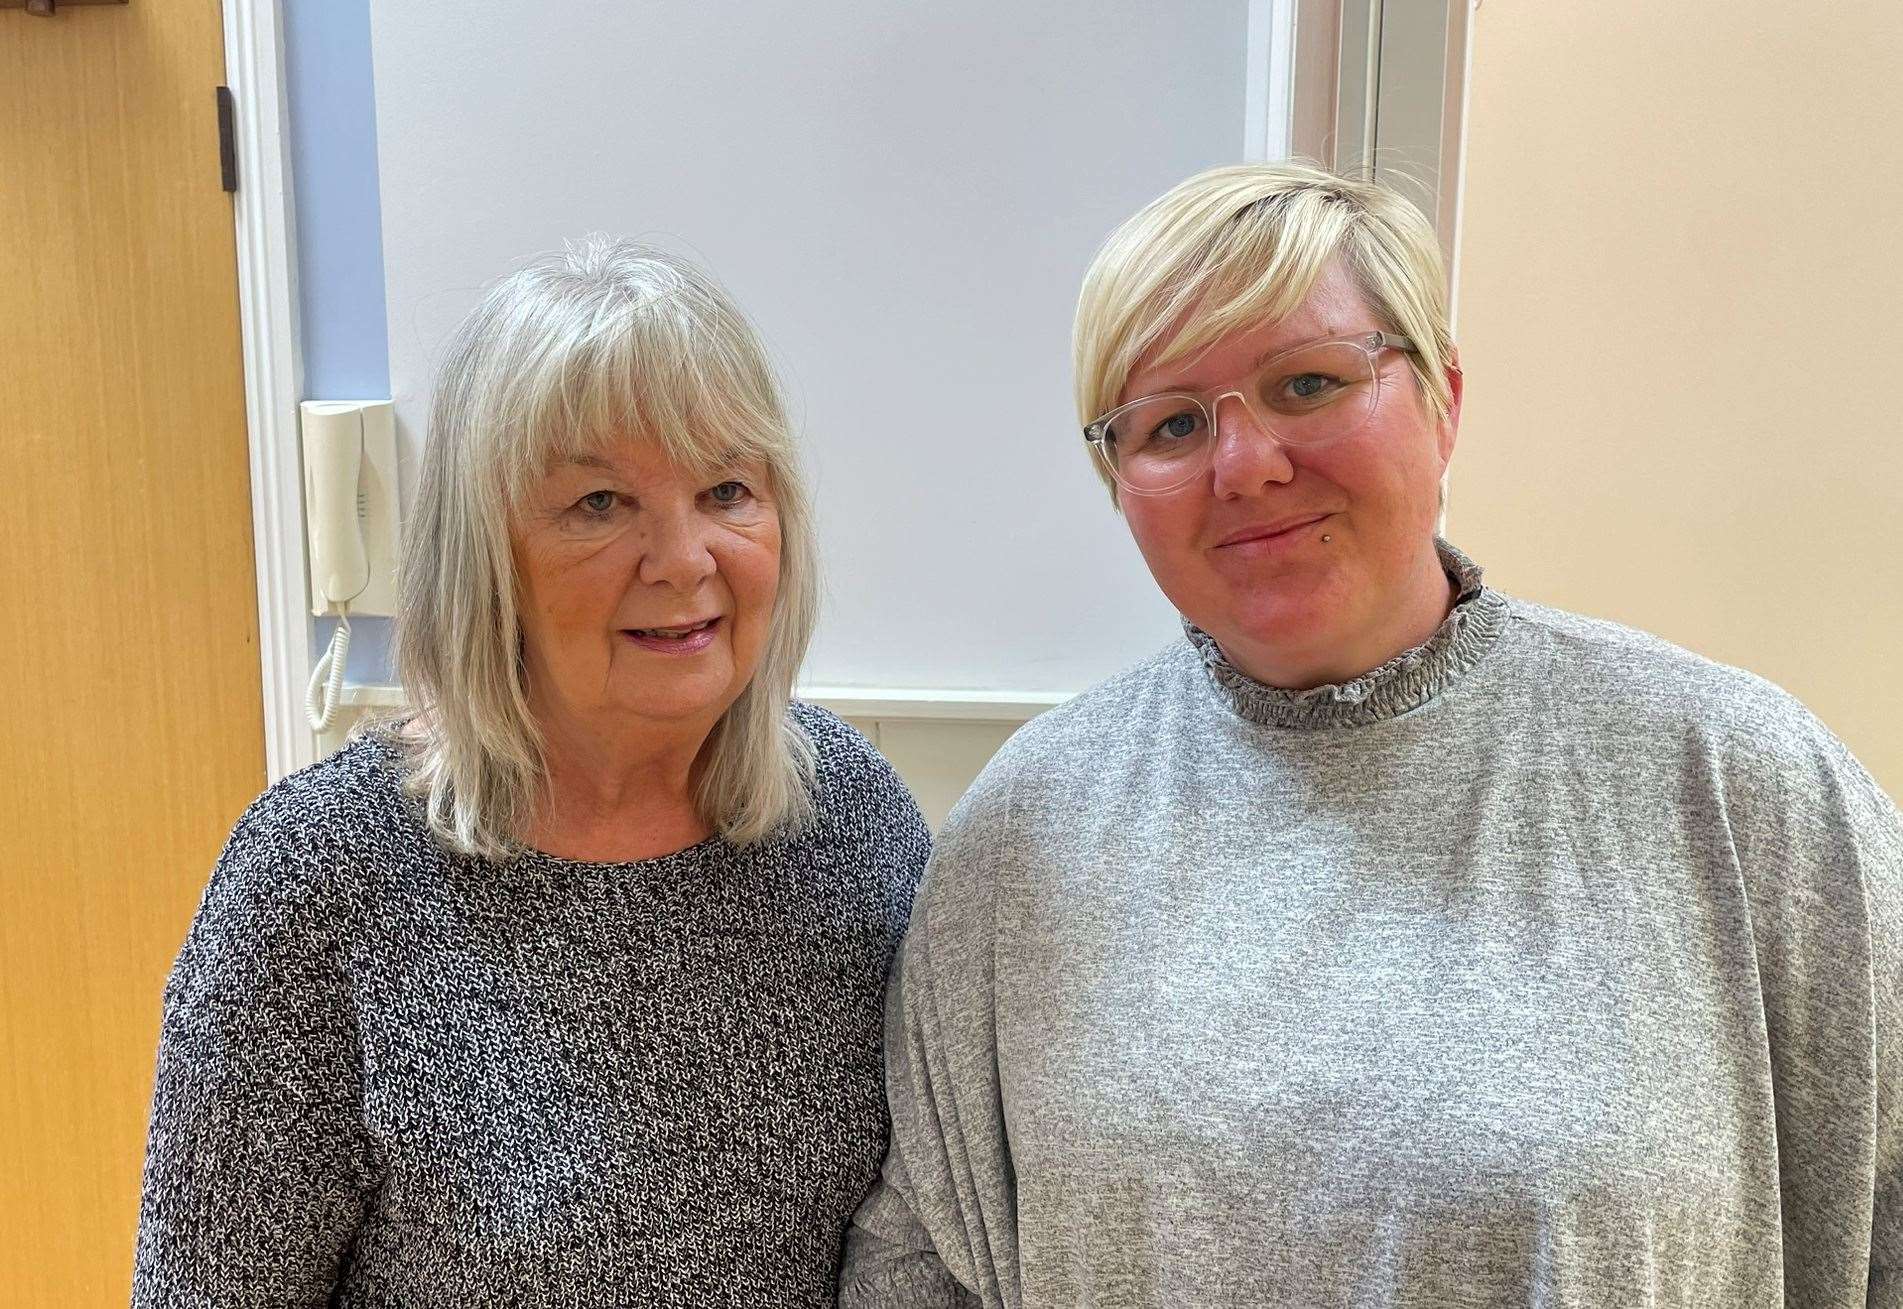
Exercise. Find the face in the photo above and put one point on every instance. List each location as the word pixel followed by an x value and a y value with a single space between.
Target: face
pixel 1240 550
pixel 646 593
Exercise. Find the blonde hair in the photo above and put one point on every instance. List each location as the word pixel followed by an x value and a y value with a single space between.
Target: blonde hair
pixel 1239 246
pixel 605 341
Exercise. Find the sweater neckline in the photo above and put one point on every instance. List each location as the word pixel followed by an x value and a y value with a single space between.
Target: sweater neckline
pixel 529 856
pixel 1402 684
pixel 389 755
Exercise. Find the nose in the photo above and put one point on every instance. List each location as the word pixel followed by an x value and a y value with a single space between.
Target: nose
pixel 676 552
pixel 1247 455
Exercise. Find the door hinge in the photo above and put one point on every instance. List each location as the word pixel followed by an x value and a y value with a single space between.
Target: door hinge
pixel 227 138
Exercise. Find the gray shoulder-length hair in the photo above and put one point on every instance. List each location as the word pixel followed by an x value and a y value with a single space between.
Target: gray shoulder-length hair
pixel 602 342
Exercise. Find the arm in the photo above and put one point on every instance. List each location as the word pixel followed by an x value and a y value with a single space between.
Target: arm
pixel 891 1258
pixel 257 1167
pixel 1821 849
pixel 1886 948
pixel 939 1228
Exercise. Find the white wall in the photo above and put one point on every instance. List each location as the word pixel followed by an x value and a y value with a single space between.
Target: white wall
pixel 904 196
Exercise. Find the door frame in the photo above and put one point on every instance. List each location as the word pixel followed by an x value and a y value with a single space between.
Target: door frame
pixel 1269 90
pixel 1344 69
pixel 264 216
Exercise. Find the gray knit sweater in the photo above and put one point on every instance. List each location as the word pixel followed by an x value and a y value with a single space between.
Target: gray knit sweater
pixel 1546 965
pixel 393 1077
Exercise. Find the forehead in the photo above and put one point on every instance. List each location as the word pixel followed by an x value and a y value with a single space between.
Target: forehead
pixel 1334 306
pixel 639 460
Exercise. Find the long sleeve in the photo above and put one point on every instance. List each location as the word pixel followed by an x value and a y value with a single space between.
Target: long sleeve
pixel 1882 839
pixel 1886 1228
pixel 1821 850
pixel 257 1166
pixel 939 1228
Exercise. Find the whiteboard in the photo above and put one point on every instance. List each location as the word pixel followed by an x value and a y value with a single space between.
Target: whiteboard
pixel 903 197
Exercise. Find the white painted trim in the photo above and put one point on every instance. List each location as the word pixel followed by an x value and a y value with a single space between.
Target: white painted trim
pixel 1459 181
pixel 1269 81
pixel 368 696
pixel 853 702
pixel 1459 185
pixel 920 703
pixel 273 372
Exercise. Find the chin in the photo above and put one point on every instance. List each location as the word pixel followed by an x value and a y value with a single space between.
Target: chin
pixel 1301 599
pixel 674 704
pixel 1283 621
pixel 1286 632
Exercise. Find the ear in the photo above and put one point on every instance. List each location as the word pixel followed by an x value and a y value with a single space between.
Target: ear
pixel 1449 428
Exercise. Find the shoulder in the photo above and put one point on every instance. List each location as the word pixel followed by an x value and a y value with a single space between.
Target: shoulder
pixel 1609 650
pixel 858 796
pixel 1049 776
pixel 1635 672
pixel 296 873
pixel 1772 759
pixel 350 802
pixel 312 834
pixel 848 769
pixel 838 746
pixel 1055 761
pixel 1118 712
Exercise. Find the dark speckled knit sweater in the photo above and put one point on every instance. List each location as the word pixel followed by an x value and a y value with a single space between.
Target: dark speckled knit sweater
pixel 391 1076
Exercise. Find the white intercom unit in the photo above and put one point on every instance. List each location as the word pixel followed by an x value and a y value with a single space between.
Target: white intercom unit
pixel 350 519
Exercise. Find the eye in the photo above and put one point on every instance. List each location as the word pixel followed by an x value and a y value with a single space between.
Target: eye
pixel 1176 427
pixel 729 493
pixel 1308 386
pixel 597 502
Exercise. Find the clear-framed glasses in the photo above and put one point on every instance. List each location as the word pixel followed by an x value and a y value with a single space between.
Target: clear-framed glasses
pixel 1312 395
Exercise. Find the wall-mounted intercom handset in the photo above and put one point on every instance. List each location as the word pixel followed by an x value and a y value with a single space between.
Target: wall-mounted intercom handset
pixel 350 515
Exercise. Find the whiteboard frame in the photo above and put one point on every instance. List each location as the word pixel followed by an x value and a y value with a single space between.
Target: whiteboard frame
pixel 264 218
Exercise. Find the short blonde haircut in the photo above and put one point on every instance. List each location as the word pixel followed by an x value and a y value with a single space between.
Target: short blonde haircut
pixel 1240 246
pixel 605 341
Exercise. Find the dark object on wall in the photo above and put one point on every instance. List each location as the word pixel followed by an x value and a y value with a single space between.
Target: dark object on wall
pixel 227 139
pixel 47 8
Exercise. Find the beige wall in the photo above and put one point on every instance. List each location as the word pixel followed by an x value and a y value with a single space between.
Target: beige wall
pixel 1681 318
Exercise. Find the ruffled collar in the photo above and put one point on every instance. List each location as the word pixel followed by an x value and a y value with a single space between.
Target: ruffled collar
pixel 1403 683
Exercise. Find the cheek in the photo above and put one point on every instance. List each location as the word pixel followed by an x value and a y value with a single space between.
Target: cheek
pixel 1164 528
pixel 752 570
pixel 1383 481
pixel 1403 459
pixel 585 585
pixel 535 587
pixel 569 590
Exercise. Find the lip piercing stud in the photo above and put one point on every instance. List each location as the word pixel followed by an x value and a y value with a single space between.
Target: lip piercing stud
pixel 1326 538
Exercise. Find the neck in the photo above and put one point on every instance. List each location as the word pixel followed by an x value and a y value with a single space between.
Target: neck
pixel 1425 602
pixel 617 791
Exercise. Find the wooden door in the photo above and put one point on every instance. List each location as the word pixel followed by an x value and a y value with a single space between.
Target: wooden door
pixel 133 730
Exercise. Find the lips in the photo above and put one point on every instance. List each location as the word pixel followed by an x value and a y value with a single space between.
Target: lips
pixel 1264 531
pixel 678 633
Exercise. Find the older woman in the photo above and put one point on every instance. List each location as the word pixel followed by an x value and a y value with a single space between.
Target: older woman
pixel 1387 940
pixel 566 989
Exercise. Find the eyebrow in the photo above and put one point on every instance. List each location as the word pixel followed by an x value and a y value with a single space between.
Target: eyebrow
pixel 1177 387
pixel 733 461
pixel 1331 335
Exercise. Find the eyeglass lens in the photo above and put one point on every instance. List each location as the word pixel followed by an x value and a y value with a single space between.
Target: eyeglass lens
pixel 1309 397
